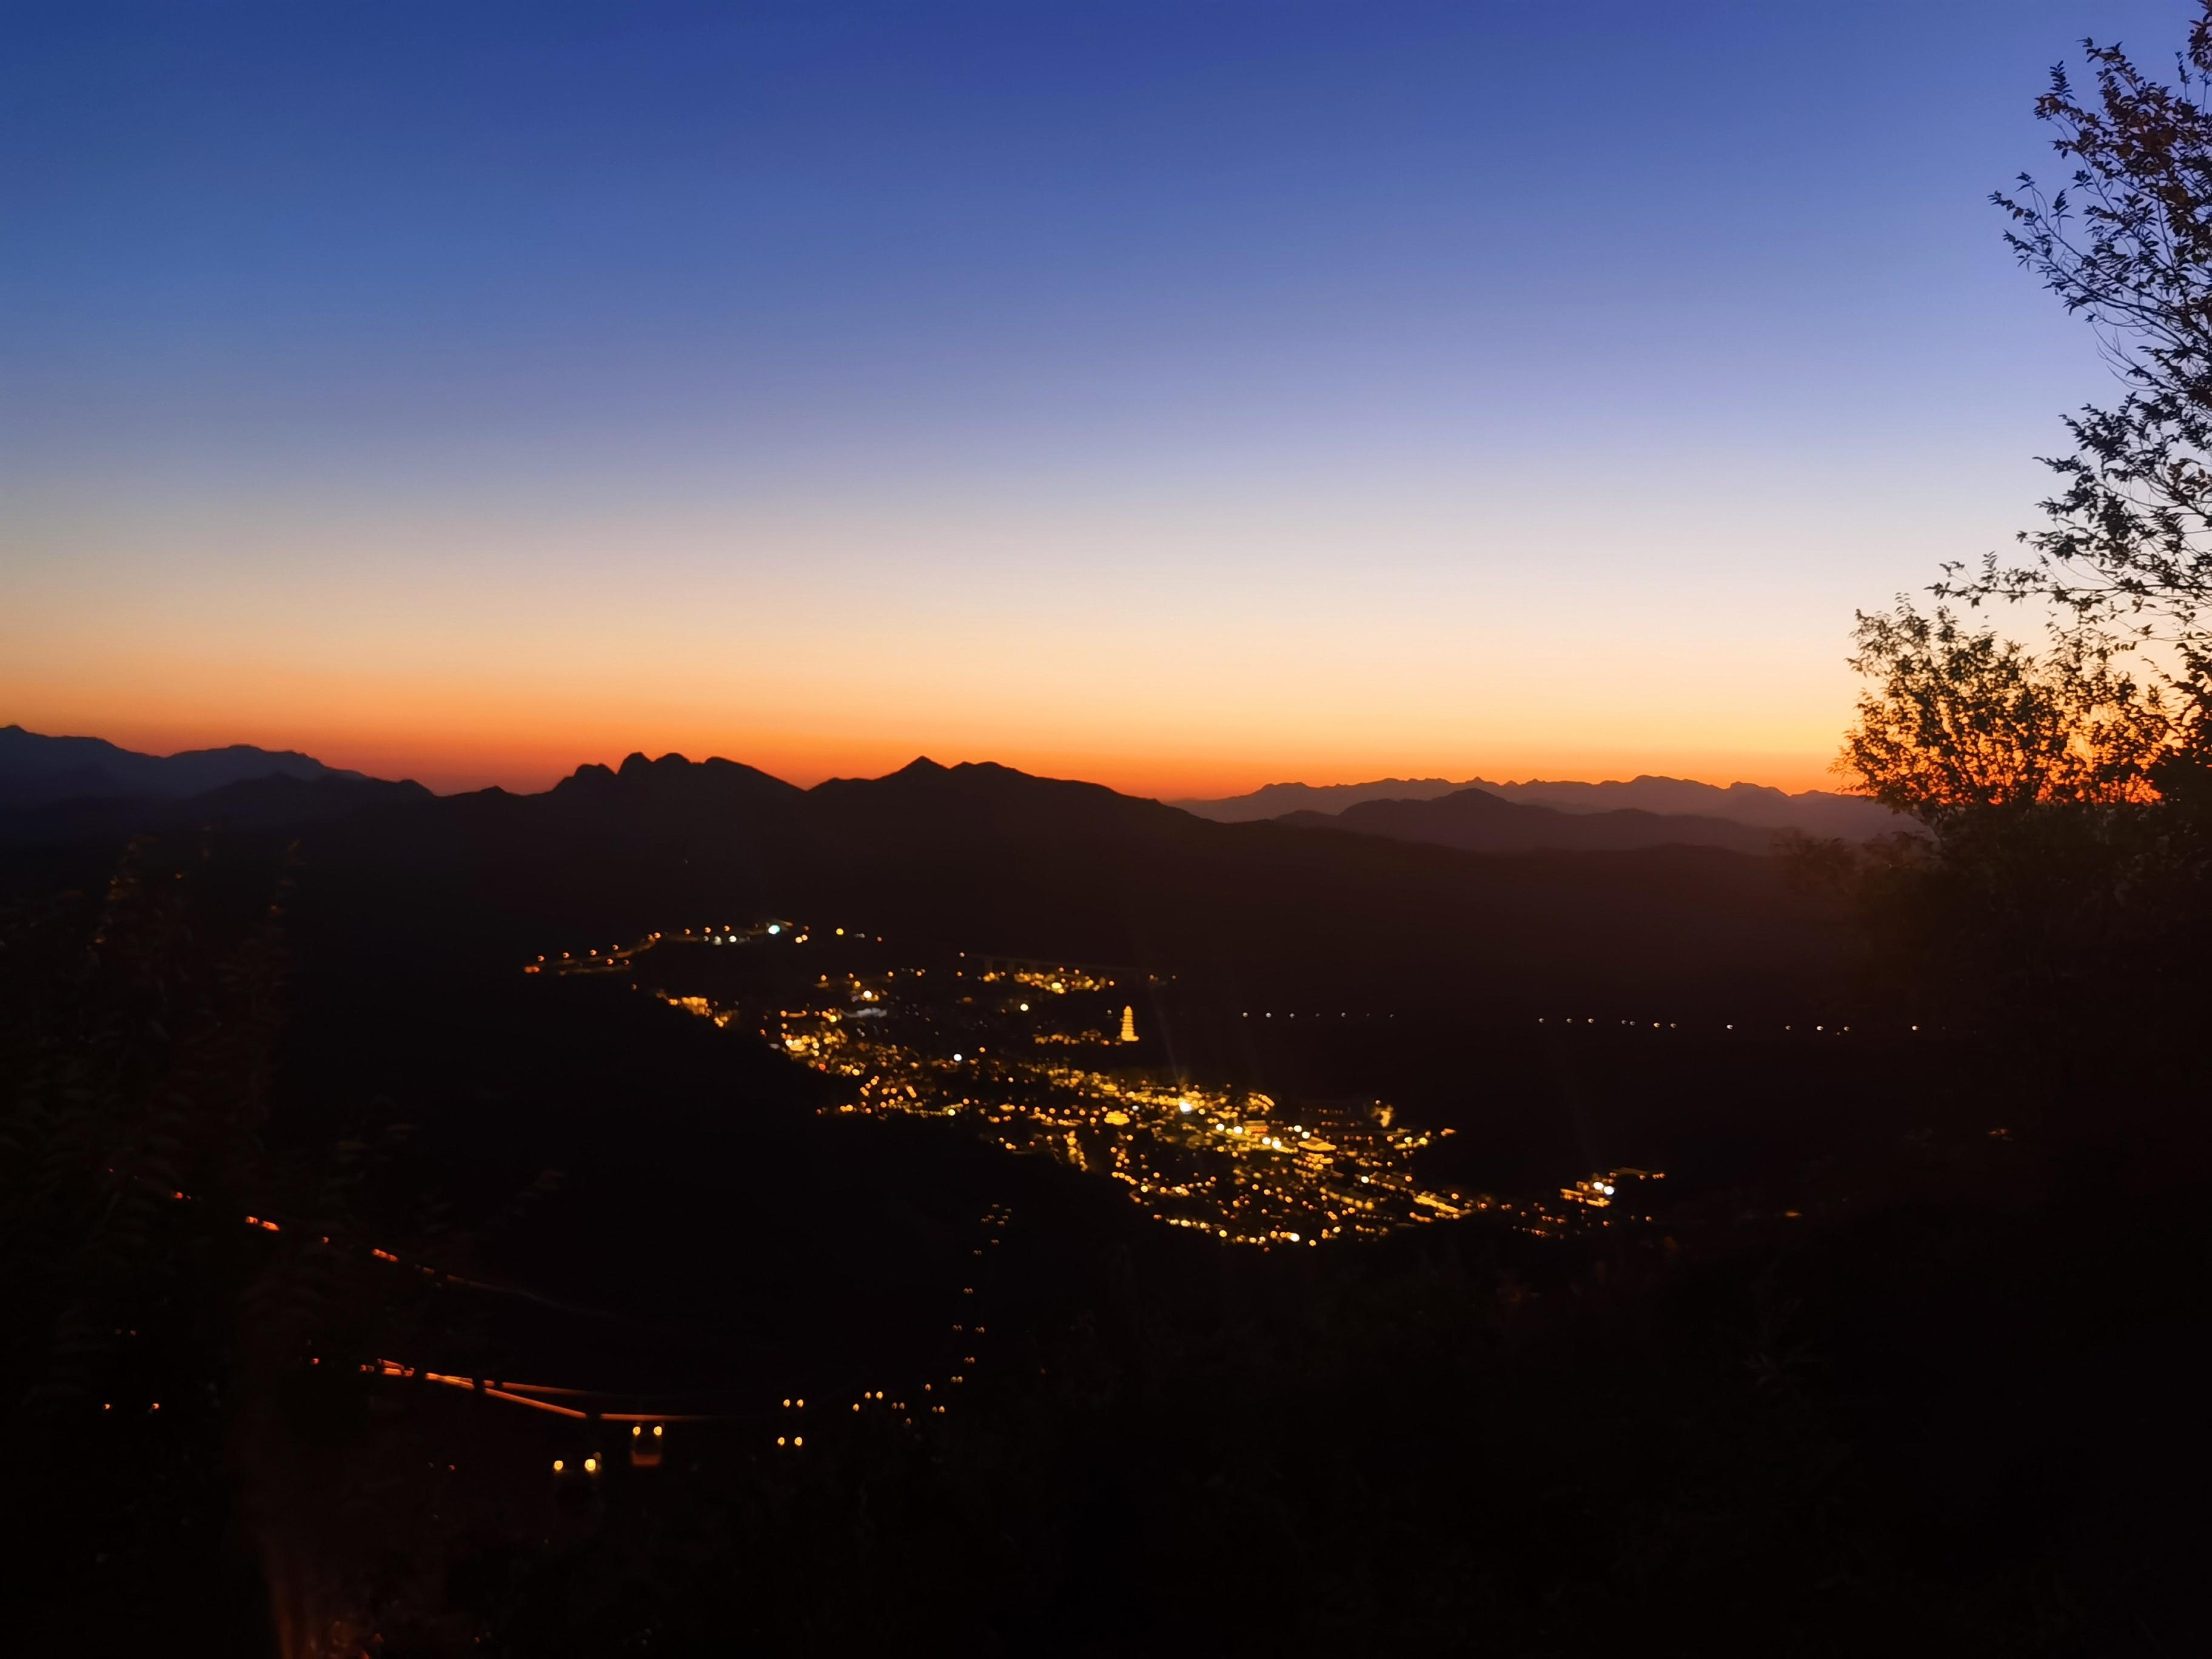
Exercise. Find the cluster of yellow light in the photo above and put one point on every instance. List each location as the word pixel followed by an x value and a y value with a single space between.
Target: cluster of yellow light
pixel 1285 1184
pixel 1602 1189
pixel 616 958
pixel 1195 1156
pixel 1058 980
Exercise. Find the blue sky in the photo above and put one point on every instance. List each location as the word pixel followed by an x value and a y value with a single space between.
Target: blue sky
pixel 1186 395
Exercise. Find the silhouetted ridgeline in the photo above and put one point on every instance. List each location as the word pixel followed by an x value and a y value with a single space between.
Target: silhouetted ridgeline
pixel 989 858
pixel 1477 821
pixel 1830 1392
pixel 39 770
pixel 1815 812
pixel 986 858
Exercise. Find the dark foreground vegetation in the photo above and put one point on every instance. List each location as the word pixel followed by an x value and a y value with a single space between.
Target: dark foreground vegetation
pixel 295 1161
pixel 1943 1398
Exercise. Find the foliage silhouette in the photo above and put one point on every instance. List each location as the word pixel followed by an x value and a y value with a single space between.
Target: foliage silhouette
pixel 2062 885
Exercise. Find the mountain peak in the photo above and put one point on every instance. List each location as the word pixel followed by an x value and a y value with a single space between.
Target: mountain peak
pixel 36 769
pixel 637 762
pixel 675 777
pixel 1757 805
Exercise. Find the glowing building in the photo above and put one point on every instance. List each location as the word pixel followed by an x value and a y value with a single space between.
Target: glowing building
pixel 1128 1023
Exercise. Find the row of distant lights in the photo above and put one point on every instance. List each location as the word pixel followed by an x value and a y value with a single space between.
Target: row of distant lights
pixel 774 928
pixel 591 1464
pixel 872 1396
pixel 796 1442
pixel 728 936
pixel 1670 1025
pixel 1656 1025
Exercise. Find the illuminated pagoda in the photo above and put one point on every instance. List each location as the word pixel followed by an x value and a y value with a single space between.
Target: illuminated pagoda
pixel 1128 1023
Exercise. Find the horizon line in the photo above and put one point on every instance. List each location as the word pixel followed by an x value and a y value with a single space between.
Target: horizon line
pixel 408 775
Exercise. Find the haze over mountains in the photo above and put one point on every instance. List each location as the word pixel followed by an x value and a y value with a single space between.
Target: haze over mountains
pixel 37 770
pixel 988 858
pixel 1477 821
pixel 1814 812
pixel 983 857
pixel 1005 860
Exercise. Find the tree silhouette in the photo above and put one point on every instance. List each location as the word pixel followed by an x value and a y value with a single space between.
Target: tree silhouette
pixel 1961 719
pixel 2065 792
pixel 2127 245
pixel 2123 569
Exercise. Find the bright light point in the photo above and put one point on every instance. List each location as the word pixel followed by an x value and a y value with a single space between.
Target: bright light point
pixel 773 928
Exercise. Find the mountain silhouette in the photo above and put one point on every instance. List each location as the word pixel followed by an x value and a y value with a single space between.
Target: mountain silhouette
pixel 37 770
pixel 1469 905
pixel 1814 812
pixel 1276 800
pixel 1478 821
pixel 985 858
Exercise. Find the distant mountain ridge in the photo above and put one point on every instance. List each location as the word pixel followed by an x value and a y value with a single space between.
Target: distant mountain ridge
pixel 1477 821
pixel 982 856
pixel 1814 812
pixel 38 770
pixel 1272 800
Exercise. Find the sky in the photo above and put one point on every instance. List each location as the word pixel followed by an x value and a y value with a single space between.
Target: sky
pixel 1183 396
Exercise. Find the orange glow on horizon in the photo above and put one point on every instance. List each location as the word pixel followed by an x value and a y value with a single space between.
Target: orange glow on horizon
pixel 526 762
pixel 1159 706
pixel 1196 647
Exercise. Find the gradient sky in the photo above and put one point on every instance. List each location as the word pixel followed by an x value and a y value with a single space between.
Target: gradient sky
pixel 1184 396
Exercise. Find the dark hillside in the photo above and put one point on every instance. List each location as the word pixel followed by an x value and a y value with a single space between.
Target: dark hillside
pixel 1477 821
pixel 38 770
pixel 987 859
